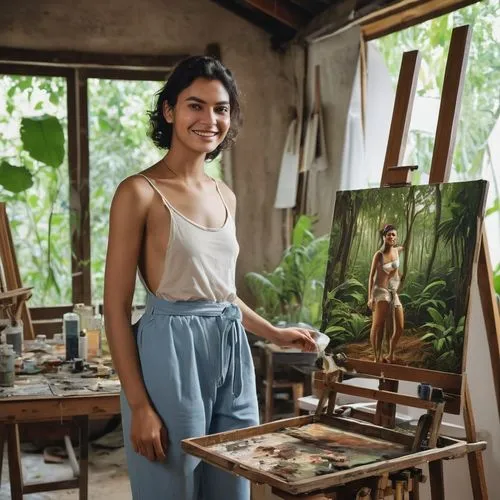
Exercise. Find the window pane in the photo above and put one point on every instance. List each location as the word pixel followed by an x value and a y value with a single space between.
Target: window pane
pixel 477 154
pixel 39 215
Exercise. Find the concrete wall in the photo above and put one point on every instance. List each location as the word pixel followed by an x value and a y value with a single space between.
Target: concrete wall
pixel 187 26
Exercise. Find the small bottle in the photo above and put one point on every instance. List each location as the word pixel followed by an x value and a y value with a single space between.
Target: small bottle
pixel 71 329
pixel 7 365
pixel 94 337
pixel 83 345
pixel 14 336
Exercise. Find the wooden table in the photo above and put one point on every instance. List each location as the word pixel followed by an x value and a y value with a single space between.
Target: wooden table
pixel 272 358
pixel 41 399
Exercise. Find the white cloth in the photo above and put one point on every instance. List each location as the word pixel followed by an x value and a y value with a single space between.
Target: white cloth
pixel 286 192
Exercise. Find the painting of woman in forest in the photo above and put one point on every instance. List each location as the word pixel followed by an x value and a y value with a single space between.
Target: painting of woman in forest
pixel 383 299
pixel 404 299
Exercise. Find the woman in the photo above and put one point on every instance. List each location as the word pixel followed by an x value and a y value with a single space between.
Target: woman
pixel 383 299
pixel 186 368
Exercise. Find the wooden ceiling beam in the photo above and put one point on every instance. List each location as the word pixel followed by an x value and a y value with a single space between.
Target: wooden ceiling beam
pixel 406 13
pixel 256 17
pixel 285 12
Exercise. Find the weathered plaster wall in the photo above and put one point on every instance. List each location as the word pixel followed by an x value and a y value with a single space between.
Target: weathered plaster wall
pixel 186 26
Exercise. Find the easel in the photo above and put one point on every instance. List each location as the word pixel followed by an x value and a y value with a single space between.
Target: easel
pixel 455 387
pixel 10 280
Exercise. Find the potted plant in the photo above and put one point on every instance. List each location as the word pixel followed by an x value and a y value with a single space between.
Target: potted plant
pixel 292 293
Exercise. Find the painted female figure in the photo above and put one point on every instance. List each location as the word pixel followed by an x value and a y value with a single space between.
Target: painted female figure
pixel 383 299
pixel 185 368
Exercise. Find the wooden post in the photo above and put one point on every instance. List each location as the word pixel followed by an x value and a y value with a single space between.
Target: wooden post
pixel 401 116
pixel 8 262
pixel 436 479
pixel 15 469
pixel 490 312
pixel 440 172
pixel 83 424
pixel 449 109
pixel 3 434
pixel 475 459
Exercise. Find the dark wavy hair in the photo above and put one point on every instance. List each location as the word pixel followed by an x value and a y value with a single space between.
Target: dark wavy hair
pixel 184 74
pixel 387 228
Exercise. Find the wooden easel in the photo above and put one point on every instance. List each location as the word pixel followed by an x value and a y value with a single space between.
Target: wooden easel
pixel 454 386
pixel 10 280
pixel 440 172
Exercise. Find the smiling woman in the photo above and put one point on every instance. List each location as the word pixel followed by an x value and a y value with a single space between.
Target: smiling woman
pixel 218 116
pixel 185 368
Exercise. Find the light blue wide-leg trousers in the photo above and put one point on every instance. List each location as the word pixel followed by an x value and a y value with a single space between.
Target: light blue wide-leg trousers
pixel 198 372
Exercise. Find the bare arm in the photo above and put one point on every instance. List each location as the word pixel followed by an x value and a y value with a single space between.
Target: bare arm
pixel 126 225
pixel 253 322
pixel 148 434
pixel 257 324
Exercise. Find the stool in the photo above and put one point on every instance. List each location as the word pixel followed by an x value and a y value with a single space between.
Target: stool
pixel 297 392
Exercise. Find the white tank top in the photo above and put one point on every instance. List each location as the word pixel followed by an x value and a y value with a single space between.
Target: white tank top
pixel 200 262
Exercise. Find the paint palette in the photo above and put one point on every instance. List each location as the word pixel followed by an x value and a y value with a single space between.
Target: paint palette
pixel 297 453
pixel 314 453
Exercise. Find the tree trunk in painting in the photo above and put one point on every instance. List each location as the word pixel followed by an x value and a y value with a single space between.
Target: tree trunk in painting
pixel 436 233
pixel 411 215
pixel 351 216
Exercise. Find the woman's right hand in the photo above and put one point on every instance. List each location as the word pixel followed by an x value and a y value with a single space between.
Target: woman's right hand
pixel 370 304
pixel 148 434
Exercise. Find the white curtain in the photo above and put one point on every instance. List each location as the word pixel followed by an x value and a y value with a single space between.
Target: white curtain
pixel 338 58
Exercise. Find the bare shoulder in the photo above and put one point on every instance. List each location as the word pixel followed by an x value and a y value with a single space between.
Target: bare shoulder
pixel 229 196
pixel 134 189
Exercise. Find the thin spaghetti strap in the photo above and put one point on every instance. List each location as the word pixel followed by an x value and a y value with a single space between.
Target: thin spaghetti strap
pixel 153 185
pixel 221 197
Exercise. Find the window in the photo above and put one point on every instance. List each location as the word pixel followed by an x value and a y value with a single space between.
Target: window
pixel 39 216
pixel 84 122
pixel 477 154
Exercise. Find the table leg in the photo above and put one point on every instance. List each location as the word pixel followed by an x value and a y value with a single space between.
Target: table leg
pixel 14 457
pixel 415 492
pixel 3 432
pixel 268 403
pixel 83 424
pixel 436 479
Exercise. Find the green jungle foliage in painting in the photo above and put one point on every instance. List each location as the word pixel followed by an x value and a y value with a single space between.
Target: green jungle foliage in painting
pixel 437 226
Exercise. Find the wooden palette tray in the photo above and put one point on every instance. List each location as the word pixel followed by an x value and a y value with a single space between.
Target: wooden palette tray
pixel 233 451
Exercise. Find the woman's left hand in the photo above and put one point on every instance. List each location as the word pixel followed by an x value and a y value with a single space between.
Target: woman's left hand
pixel 299 338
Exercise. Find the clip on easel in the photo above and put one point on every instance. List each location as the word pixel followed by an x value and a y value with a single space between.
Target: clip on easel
pixel 454 387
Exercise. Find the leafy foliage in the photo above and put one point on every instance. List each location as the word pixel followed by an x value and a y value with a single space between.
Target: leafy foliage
pixel 43 139
pixel 446 336
pixel 480 106
pixel 34 180
pixel 292 292
pixel 423 296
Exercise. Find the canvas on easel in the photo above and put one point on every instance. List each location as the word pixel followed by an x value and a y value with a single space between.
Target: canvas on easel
pixel 10 283
pixel 402 298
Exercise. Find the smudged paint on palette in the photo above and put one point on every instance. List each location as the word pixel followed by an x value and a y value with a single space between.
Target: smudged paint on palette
pixel 297 453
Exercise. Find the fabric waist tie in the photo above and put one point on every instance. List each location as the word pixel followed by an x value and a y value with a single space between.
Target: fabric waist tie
pixel 228 317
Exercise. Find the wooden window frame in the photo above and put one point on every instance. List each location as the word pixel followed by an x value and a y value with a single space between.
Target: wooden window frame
pixel 77 68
